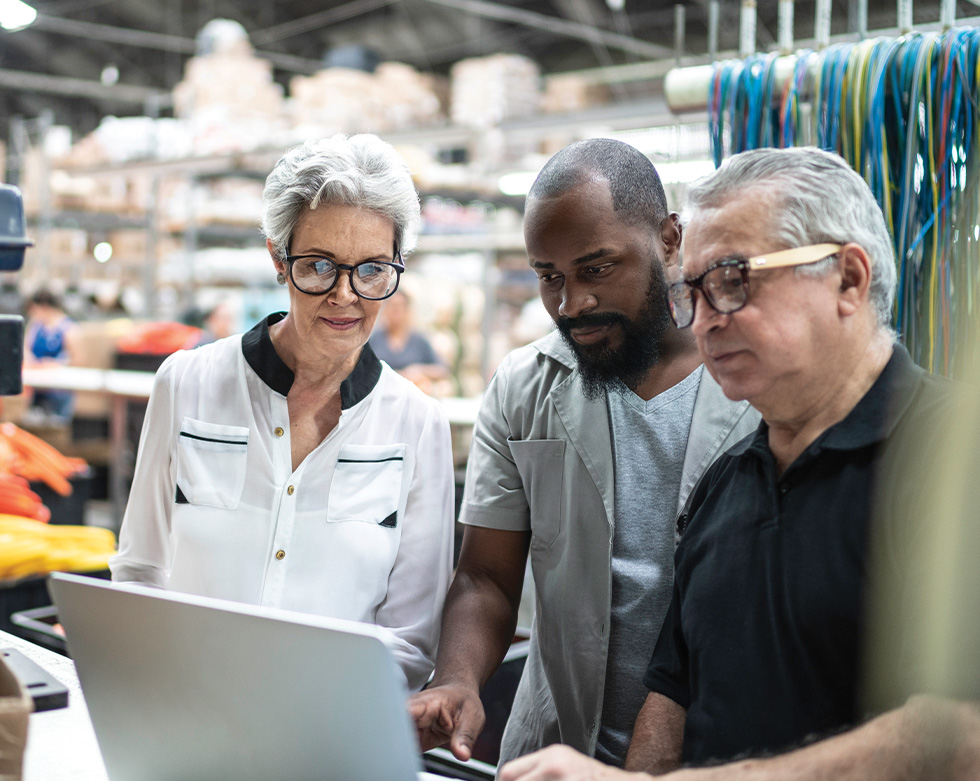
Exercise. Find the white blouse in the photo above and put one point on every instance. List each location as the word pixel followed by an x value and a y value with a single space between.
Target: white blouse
pixel 362 530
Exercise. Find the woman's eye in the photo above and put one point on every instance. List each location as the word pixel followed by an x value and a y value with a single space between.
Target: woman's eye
pixel 366 270
pixel 322 267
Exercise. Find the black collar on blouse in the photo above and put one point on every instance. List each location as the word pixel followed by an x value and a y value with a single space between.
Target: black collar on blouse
pixel 265 361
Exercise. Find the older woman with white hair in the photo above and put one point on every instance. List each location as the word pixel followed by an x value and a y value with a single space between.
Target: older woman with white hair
pixel 288 466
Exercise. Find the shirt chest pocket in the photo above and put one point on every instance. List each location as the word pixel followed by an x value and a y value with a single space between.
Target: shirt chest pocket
pixel 211 461
pixel 541 463
pixel 367 485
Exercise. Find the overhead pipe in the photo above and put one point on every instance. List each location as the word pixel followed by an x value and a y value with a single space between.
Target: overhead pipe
pixel 858 18
pixel 714 12
pixel 821 24
pixel 747 25
pixel 534 20
pixel 680 25
pixel 947 14
pixel 785 22
pixel 905 16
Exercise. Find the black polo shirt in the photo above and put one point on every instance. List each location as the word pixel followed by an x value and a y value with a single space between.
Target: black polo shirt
pixel 762 642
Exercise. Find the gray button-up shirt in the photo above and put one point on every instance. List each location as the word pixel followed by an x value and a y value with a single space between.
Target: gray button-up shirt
pixel 541 461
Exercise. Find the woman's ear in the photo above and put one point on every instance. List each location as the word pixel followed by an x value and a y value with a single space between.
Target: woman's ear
pixel 279 264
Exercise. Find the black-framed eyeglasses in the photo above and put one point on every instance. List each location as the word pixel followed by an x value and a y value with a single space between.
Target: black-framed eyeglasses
pixel 374 280
pixel 725 285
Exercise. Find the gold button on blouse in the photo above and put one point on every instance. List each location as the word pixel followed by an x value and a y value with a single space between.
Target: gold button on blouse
pixel 280 554
pixel 279 432
pixel 291 490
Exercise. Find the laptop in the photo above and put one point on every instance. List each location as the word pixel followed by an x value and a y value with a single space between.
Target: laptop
pixel 187 687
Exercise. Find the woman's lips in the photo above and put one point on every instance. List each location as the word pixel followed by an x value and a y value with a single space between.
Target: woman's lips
pixel 341 323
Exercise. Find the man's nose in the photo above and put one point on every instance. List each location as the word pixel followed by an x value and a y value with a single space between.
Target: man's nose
pixel 706 318
pixel 576 300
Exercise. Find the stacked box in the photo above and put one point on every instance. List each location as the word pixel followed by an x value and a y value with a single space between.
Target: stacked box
pixel 570 92
pixel 335 99
pixel 408 98
pixel 484 91
pixel 395 96
pixel 230 102
pixel 231 80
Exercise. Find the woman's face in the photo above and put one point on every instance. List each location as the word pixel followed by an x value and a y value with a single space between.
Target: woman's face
pixel 337 324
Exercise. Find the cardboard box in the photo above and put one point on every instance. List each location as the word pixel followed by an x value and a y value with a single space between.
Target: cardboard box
pixel 15 710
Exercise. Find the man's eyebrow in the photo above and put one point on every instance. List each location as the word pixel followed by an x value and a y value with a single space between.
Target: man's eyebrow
pixel 595 255
pixel 736 257
pixel 599 253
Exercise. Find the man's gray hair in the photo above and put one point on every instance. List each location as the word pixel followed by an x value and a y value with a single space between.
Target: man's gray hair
pixel 361 170
pixel 817 199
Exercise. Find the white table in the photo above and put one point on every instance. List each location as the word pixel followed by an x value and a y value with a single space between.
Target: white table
pixel 61 743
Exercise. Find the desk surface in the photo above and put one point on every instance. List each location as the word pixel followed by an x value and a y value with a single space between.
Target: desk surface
pixel 61 744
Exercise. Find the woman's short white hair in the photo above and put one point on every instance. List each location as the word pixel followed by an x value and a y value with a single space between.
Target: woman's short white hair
pixel 817 198
pixel 361 170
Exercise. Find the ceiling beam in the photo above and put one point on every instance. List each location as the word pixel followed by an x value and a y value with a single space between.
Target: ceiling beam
pixel 551 24
pixel 65 85
pixel 149 40
pixel 317 21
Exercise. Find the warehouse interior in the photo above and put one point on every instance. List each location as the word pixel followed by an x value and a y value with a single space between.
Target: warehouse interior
pixel 139 137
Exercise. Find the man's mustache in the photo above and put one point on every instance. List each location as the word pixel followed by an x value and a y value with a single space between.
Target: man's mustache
pixel 592 320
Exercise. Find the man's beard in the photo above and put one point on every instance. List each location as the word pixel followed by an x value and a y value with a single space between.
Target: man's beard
pixel 602 366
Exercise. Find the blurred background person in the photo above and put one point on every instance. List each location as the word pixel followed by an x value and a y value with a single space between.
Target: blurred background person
pixel 398 343
pixel 218 322
pixel 50 340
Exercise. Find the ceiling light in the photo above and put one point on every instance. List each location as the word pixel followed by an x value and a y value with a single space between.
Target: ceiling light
pixel 684 171
pixel 102 251
pixel 16 15
pixel 517 183
pixel 109 75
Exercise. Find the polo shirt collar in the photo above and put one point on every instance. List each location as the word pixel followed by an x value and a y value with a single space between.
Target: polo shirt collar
pixel 261 355
pixel 875 416
pixel 872 419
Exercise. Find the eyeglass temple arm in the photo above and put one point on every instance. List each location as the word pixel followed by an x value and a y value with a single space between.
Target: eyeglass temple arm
pixel 794 257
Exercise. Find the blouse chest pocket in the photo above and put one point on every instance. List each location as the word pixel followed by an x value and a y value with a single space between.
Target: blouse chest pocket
pixel 211 461
pixel 367 485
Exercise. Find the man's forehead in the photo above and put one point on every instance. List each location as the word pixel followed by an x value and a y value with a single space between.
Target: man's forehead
pixel 734 229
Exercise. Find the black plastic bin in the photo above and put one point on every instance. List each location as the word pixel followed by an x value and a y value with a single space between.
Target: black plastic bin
pixel 38 626
pixel 17 596
pixel 67 509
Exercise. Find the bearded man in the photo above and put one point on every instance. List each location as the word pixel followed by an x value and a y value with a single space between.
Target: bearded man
pixel 587 446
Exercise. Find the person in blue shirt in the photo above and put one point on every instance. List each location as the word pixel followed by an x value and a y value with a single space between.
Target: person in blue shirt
pixel 49 340
pixel 405 349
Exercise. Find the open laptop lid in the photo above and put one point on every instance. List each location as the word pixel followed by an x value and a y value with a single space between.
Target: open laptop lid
pixel 180 687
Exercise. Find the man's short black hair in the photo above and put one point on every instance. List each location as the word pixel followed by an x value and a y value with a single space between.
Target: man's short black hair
pixel 637 194
pixel 45 297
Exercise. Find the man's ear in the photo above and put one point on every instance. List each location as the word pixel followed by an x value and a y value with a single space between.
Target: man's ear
pixel 670 235
pixel 855 279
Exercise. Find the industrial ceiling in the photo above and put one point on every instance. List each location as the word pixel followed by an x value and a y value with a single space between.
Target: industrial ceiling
pixel 82 60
